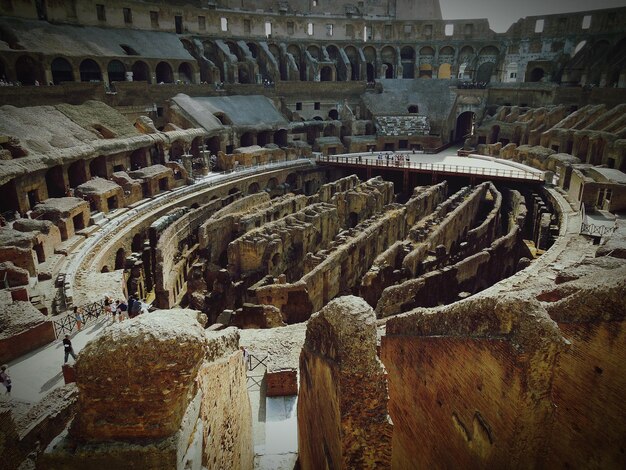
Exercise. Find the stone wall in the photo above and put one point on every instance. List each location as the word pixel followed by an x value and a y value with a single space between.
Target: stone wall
pixel 158 391
pixel 342 402
pixel 469 384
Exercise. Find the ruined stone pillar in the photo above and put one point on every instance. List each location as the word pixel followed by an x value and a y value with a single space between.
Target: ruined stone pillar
pixel 342 403
pixel 158 392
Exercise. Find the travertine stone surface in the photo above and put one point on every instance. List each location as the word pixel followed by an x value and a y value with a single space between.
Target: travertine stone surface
pixel 136 378
pixel 469 384
pixel 342 416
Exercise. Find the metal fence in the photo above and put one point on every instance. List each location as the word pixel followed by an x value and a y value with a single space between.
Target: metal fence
pixel 595 230
pixel 67 324
pixel 431 167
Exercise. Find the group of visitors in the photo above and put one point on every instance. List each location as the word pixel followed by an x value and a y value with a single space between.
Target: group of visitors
pixel 396 159
pixel 120 310
pixel 471 85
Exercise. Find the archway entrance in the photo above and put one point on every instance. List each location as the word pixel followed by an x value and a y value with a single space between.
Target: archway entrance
pixel 61 71
pixel 464 126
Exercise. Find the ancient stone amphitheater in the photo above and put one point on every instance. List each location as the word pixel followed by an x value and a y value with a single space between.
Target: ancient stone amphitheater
pixel 414 225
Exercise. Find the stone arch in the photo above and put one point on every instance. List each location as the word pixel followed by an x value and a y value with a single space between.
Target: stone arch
pixel 90 71
pixel 213 144
pixel 246 139
pixel 445 71
pixel 370 59
pixel 272 183
pixel 185 72
pixel 446 51
pixel 389 59
pixel 315 52
pixel 353 58
pixel 333 114
pixel 326 74
pixel 413 109
pixel 136 245
pixel 141 72
pixel 484 72
pixel 164 73
pixel 242 73
pixel 464 126
pixel 583 148
pixel 263 138
pixel 407 57
pixel 298 58
pixel 76 174
pixel 254 188
pixel 426 71
pixel 494 134
pixel 28 70
pixel 62 71
pixel 120 259
pixel 280 137
pixel 116 71
pixel 536 74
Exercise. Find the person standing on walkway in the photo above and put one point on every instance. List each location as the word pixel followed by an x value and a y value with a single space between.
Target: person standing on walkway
pixel 78 316
pixel 69 350
pixel 5 379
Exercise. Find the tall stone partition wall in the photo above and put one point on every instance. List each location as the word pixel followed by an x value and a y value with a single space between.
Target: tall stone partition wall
pixel 469 384
pixel 589 383
pixel 342 403
pixel 158 392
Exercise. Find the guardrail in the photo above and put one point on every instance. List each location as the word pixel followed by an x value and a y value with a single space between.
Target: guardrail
pixel 431 167
pixel 595 230
pixel 67 324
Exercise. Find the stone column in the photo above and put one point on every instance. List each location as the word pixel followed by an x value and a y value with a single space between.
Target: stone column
pixel 342 403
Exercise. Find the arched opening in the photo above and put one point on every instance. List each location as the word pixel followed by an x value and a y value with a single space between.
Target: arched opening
pixel 333 114
pixel 116 71
pixel 246 139
pixel 177 150
pixel 54 182
pixel 271 184
pixel 292 181
pixel 61 71
pixel 464 126
pixel 138 159
pixel 120 259
pixel 326 74
pixel 370 72
pixel 254 188
pixel 27 71
pixel 213 145
pixel 536 74
pixel 263 138
pixel 141 73
pixel 90 71
pixel 98 167
pixel 407 56
pixel 426 71
pixel 445 72
pixel 232 191
pixel 388 70
pixel 242 75
pixel 353 219
pixel 280 138
pixel 483 74
pixel 164 73
pixel 185 72
pixel 495 132
pixel 413 109
pixel 76 173
pixel 137 243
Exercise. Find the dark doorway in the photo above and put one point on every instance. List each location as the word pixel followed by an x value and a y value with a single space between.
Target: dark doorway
pixel 90 71
pixel 370 73
pixel 178 21
pixel 61 71
pixel 464 126
pixel 141 72
pixel 55 182
pixel 79 222
pixel 116 71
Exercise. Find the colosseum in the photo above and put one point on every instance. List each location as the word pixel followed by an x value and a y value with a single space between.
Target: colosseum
pixel 310 234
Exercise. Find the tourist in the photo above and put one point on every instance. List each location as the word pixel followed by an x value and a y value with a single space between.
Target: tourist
pixel 245 353
pixel 113 310
pixel 5 379
pixel 107 304
pixel 122 308
pixel 69 350
pixel 78 317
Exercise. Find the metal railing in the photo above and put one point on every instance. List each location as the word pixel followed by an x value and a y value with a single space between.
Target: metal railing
pixel 431 167
pixel 67 324
pixel 251 364
pixel 595 230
